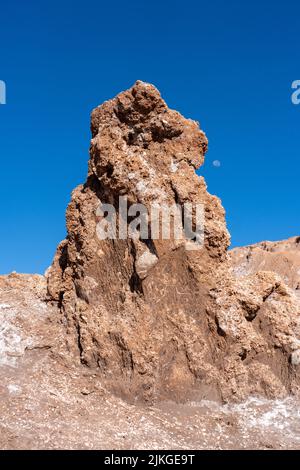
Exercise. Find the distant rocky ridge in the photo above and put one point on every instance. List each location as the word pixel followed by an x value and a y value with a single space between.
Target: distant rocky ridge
pixel 281 257
pixel 185 325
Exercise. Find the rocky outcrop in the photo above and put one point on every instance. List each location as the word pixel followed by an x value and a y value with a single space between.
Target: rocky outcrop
pixel 158 318
pixel 48 401
pixel 282 257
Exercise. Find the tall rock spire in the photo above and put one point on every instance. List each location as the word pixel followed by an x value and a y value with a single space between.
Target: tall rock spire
pixel 161 317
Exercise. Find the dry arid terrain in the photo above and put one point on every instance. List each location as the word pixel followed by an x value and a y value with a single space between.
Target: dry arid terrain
pixel 49 403
pixel 147 342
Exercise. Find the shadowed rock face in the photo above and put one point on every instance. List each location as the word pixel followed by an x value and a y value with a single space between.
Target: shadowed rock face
pixel 157 319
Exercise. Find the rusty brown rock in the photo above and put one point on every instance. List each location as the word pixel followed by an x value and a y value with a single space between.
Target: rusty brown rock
pixel 48 401
pixel 282 257
pixel 158 320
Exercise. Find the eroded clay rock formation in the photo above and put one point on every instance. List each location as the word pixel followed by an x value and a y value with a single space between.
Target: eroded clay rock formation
pixel 282 257
pixel 158 319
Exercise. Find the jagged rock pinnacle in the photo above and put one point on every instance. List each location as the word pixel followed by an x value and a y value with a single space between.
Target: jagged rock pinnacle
pixel 157 319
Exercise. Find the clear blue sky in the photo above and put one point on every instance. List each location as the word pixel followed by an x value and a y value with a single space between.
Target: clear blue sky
pixel 229 65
